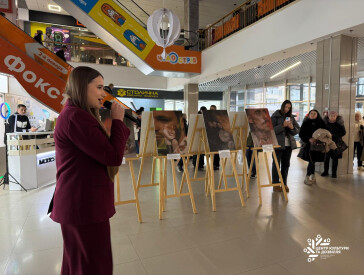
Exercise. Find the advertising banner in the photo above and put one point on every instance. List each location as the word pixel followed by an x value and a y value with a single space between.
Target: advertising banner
pixel 36 80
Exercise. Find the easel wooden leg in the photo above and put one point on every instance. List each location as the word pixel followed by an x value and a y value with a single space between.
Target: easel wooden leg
pixel 140 172
pixel 223 174
pixel 212 183
pixel 164 182
pixel 197 165
pixel 189 187
pixel 245 169
pixel 280 176
pixel 153 170
pixel 161 191
pixel 258 175
pixel 174 176
pixel 233 163
pixel 136 195
pixel 267 167
pixel 185 170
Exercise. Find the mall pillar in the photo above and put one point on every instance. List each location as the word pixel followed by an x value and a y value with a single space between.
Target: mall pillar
pixel 191 21
pixel 336 87
pixel 226 99
pixel 191 99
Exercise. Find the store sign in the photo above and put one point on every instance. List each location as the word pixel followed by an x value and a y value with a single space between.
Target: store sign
pixel 173 58
pixel 162 94
pixel 46 160
pixel 137 93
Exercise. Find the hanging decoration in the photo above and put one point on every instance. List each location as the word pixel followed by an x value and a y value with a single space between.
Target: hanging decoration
pixel 164 28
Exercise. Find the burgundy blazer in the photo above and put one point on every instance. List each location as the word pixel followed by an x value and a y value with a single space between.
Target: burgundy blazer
pixel 84 192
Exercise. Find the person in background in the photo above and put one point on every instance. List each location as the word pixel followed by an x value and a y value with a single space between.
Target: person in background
pixel 249 155
pixel 335 125
pixel 87 160
pixel 180 162
pixel 285 127
pixel 19 121
pixel 48 41
pixel 310 124
pixel 358 138
pixel 111 86
pixel 60 53
pixel 38 37
pixel 216 156
pixel 139 116
pixel 201 162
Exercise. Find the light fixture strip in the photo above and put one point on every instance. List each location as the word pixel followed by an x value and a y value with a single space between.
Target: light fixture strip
pixel 286 69
pixel 54 7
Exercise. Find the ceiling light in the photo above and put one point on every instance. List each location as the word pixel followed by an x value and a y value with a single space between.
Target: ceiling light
pixel 54 8
pixel 286 69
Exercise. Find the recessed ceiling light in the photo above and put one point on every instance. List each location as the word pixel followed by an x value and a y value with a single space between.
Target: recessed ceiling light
pixel 54 8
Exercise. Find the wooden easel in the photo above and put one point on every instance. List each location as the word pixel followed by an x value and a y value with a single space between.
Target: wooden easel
pixel 271 184
pixel 239 127
pixel 210 160
pixel 135 189
pixel 151 142
pixel 196 146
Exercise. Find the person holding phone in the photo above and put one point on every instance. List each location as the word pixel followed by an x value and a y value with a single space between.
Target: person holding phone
pixel 285 127
pixel 87 160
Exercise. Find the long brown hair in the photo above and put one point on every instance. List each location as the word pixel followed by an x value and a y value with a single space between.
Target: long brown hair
pixel 76 91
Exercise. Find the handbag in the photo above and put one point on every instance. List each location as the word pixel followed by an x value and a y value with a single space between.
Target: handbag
pixel 318 147
pixel 341 146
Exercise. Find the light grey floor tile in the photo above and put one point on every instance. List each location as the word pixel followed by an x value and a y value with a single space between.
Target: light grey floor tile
pixel 131 268
pixel 184 262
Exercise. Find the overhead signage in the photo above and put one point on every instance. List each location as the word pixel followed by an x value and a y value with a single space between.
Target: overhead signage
pixel 162 94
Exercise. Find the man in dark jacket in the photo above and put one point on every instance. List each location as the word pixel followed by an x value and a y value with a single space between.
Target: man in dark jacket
pixel 19 122
pixel 38 37
pixel 61 52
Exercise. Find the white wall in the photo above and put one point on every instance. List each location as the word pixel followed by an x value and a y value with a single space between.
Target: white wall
pixel 126 77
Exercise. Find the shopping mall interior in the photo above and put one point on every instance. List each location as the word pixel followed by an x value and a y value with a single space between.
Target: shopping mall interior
pixel 204 199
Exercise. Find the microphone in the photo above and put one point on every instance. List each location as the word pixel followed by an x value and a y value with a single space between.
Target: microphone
pixel 107 105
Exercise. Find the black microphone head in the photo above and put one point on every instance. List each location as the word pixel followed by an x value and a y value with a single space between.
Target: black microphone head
pixel 107 104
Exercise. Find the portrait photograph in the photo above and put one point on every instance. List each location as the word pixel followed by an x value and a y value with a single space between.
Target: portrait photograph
pixel 219 134
pixel 170 132
pixel 261 127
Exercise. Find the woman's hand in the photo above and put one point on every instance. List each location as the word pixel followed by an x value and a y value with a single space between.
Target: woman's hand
pixel 117 112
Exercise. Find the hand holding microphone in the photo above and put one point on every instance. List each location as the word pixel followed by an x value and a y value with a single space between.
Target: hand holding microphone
pixel 117 112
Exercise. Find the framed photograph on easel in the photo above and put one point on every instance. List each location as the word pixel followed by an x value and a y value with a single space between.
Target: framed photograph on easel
pixel 5 6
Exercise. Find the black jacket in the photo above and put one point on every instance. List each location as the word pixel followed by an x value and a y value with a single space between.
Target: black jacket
pixel 22 123
pixel 308 127
pixel 281 132
pixel 60 54
pixel 336 129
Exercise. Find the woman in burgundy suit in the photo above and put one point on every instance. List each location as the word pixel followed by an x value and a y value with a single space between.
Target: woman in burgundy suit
pixel 87 160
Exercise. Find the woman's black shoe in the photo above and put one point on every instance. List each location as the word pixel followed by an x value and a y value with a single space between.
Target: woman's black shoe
pixel 324 174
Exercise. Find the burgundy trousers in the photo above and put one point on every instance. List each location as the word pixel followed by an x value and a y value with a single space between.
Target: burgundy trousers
pixel 87 249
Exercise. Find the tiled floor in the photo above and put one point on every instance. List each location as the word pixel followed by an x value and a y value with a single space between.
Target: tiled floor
pixel 254 240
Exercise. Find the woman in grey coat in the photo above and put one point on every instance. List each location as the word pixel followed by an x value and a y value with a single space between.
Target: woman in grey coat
pixel 285 127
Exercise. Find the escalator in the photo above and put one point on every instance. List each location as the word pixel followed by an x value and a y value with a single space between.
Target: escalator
pixel 128 36
pixel 41 73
